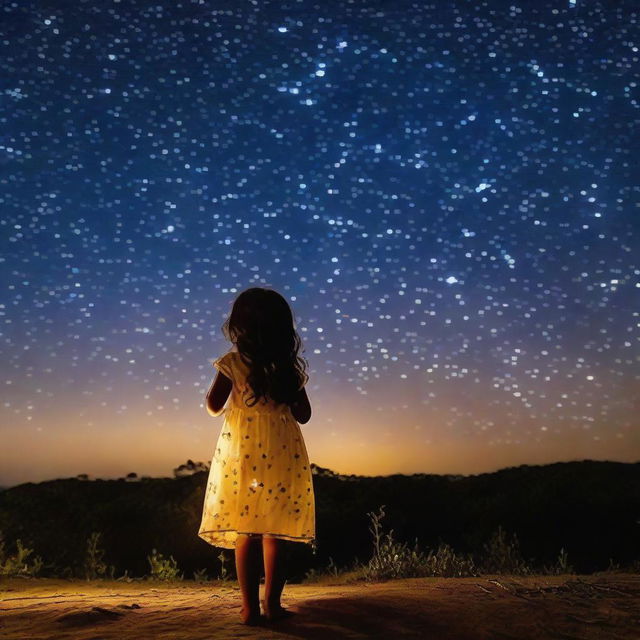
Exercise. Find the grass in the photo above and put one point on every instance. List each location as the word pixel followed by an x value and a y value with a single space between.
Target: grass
pixel 390 559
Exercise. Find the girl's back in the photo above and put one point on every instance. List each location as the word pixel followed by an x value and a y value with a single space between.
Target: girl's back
pixel 232 366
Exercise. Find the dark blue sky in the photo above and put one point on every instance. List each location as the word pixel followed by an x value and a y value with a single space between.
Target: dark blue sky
pixel 446 193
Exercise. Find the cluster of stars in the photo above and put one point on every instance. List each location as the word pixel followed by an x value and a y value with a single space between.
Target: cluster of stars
pixel 447 194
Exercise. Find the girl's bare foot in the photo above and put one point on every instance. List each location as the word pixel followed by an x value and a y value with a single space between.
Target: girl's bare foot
pixel 251 618
pixel 279 614
pixel 275 612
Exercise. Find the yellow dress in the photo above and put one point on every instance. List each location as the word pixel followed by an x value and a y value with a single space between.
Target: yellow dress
pixel 260 479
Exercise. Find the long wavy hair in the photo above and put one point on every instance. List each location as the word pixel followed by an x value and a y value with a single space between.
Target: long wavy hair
pixel 261 325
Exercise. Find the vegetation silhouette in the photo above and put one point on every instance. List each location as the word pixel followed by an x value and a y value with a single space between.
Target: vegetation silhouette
pixel 553 519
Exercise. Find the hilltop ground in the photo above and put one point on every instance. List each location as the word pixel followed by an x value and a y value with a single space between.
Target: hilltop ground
pixel 489 607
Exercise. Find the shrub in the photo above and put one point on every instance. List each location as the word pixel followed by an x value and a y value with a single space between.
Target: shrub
pixel 125 577
pixel 503 556
pixel 200 575
pixel 561 567
pixel 446 563
pixel 392 559
pixel 17 564
pixel 224 574
pixel 94 566
pixel 613 566
pixel 163 568
pixel 330 571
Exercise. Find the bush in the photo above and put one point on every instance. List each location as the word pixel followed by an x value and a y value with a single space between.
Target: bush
pixel 561 567
pixel 330 571
pixel 392 559
pixel 16 564
pixel 613 566
pixel 224 574
pixel 94 566
pixel 200 575
pixel 163 568
pixel 446 563
pixel 503 556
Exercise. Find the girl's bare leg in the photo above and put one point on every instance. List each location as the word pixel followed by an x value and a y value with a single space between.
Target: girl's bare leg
pixel 248 570
pixel 274 575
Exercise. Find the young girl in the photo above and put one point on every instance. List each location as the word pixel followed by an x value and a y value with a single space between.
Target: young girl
pixel 260 488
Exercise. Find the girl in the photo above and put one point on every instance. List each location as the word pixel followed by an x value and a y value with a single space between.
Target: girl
pixel 260 490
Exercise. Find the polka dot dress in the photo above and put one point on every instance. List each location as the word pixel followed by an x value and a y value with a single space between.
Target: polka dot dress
pixel 260 478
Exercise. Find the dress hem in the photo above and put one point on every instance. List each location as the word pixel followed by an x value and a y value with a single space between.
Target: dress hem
pixel 206 534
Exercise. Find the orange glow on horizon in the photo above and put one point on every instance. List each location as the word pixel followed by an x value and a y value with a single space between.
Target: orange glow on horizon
pixel 342 442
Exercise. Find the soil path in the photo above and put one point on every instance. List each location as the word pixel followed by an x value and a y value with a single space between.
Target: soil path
pixel 599 606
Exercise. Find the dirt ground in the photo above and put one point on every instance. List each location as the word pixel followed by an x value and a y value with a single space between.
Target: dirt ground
pixel 603 606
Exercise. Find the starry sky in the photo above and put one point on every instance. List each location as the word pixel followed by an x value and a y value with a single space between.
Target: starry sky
pixel 446 193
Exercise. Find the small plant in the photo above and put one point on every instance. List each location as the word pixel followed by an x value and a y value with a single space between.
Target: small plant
pixel 392 559
pixel 561 566
pixel 125 577
pixel 94 566
pixel 331 570
pixel 17 564
pixel 311 575
pixel 503 556
pixel 223 570
pixel 386 553
pixel 613 566
pixel 446 563
pixel 563 562
pixel 200 575
pixel 163 568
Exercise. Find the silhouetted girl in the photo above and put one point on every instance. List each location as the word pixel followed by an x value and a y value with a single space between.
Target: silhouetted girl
pixel 260 487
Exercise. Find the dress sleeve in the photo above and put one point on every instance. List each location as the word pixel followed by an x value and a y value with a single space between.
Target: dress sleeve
pixel 225 365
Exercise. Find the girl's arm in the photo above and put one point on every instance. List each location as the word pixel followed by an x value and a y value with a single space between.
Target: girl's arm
pixel 217 395
pixel 300 407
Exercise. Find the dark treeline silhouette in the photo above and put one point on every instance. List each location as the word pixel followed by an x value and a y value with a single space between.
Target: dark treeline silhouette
pixel 590 509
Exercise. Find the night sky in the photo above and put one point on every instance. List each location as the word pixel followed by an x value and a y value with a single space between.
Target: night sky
pixel 446 193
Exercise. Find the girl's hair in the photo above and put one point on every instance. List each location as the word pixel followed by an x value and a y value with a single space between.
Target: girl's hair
pixel 261 325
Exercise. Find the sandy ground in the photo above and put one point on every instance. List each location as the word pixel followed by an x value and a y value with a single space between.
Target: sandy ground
pixel 603 606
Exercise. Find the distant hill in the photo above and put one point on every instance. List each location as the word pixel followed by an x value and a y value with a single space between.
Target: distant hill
pixel 590 508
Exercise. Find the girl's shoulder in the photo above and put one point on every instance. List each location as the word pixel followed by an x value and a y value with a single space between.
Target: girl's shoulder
pixel 226 364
